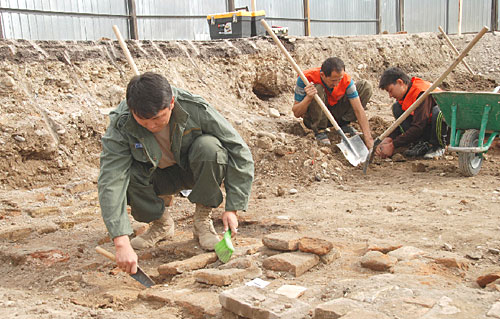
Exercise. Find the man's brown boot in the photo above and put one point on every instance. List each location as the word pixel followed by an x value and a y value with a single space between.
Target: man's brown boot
pixel 204 230
pixel 160 229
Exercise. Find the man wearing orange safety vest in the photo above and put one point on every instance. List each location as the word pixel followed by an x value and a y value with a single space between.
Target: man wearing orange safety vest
pixel 424 131
pixel 345 100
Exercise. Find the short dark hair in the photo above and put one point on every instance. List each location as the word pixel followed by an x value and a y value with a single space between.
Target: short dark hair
pixel 148 94
pixel 391 75
pixel 332 64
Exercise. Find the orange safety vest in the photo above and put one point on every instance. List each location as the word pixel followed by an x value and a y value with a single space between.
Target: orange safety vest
pixel 418 86
pixel 313 75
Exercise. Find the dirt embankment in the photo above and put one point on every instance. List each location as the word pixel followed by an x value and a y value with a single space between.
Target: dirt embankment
pixel 55 94
pixel 54 97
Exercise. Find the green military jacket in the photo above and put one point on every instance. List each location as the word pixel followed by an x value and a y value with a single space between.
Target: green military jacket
pixel 126 141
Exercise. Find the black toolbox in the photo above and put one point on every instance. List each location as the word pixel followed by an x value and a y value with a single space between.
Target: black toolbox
pixel 238 24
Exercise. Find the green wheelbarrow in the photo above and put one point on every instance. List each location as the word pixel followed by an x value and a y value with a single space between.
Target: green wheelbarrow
pixel 472 118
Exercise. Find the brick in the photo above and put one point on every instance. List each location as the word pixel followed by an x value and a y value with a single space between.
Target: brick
pixel 384 248
pixel 296 263
pixel 219 277
pixel 337 308
pixel 482 281
pixel 375 260
pixel 44 211
pixel 193 263
pixel 291 291
pixel 327 259
pixel 452 262
pixel 253 302
pixel 196 304
pixel 285 241
pixel 16 233
pixel 406 253
pixel 316 246
pixel 357 314
pixel 200 305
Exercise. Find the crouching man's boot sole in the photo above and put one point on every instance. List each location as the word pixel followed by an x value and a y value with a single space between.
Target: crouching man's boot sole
pixel 204 230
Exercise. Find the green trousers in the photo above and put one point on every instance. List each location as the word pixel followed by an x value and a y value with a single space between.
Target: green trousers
pixel 204 175
pixel 342 112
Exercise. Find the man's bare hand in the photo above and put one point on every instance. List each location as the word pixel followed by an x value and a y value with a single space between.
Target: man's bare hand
pixel 386 148
pixel 126 258
pixel 230 221
pixel 310 90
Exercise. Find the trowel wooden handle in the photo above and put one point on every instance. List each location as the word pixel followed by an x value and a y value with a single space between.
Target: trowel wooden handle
pixel 105 253
pixel 125 50
pixel 301 74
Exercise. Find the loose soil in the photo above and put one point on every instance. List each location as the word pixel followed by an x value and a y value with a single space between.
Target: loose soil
pixel 54 98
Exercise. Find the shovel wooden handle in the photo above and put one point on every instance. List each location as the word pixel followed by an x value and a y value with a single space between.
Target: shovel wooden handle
pixel 434 85
pixel 302 76
pixel 125 50
pixel 454 49
pixel 105 253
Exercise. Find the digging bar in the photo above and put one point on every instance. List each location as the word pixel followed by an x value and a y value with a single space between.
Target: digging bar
pixel 353 148
pixel 422 97
pixel 140 275
pixel 454 49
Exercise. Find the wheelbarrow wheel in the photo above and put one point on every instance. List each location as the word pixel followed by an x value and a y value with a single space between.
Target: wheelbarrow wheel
pixel 470 163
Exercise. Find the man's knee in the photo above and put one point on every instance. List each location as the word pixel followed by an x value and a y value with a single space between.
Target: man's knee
pixel 365 91
pixel 205 148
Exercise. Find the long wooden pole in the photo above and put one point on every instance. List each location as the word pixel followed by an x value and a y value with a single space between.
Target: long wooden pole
pixel 253 6
pixel 125 50
pixel 454 49
pixel 424 95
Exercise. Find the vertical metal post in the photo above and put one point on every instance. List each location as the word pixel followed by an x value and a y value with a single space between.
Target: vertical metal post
pixel 133 20
pixel 230 6
pixel 494 15
pixel 460 4
pixel 378 13
pixel 1 28
pixel 253 6
pixel 307 18
pixel 401 22
pixel 447 17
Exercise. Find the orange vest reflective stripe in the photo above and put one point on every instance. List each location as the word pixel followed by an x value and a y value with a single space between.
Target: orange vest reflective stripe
pixel 313 75
pixel 418 86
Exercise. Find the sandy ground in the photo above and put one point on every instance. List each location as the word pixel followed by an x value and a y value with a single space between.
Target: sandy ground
pixel 54 100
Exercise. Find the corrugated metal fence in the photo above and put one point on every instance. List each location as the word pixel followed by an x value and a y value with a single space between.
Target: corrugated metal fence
pixel 174 20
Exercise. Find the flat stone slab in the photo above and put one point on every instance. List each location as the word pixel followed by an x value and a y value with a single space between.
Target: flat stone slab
pixel 296 263
pixel 375 260
pixel 315 245
pixel 193 263
pixel 285 241
pixel 219 277
pixel 337 308
pixel 291 291
pixel 197 304
pixel 256 303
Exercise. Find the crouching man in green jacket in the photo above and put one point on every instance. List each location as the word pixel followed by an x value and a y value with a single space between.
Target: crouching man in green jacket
pixel 159 141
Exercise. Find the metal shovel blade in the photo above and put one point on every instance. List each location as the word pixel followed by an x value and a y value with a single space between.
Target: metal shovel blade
pixel 354 150
pixel 144 279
